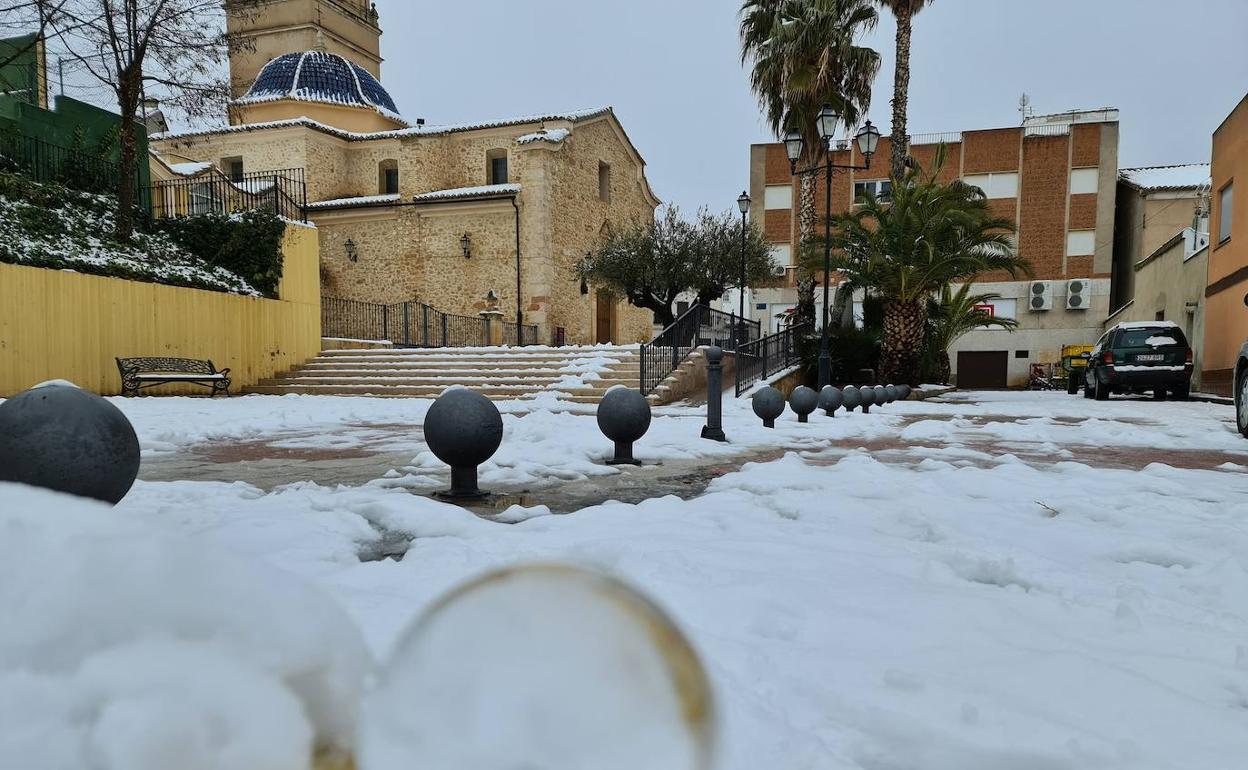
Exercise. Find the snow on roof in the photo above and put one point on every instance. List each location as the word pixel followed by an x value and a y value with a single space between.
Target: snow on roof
pixel 189 169
pixel 1183 177
pixel 484 191
pixel 1147 325
pixel 361 200
pixel 426 130
pixel 553 135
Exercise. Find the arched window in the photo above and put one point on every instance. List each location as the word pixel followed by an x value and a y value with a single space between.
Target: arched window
pixel 388 177
pixel 496 167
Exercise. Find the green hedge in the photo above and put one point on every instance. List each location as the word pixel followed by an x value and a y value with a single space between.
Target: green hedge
pixel 248 244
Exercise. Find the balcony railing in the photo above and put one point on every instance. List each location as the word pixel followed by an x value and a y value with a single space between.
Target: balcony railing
pixel 282 191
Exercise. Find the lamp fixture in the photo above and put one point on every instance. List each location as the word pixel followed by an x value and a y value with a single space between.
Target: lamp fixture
pixel 743 203
pixel 465 243
pixel 352 253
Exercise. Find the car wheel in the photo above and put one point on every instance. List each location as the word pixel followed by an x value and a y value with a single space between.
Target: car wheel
pixel 1182 392
pixel 1241 404
pixel 1100 390
pixel 1159 394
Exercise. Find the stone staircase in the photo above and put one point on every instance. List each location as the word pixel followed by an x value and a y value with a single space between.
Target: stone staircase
pixel 572 374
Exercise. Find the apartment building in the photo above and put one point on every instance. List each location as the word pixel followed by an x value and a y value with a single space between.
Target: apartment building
pixel 1055 176
pixel 1226 289
pixel 1155 203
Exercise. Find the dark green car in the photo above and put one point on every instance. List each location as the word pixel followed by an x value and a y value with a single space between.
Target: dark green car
pixel 1140 357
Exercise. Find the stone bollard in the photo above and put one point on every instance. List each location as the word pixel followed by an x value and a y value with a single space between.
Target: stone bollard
pixel 830 399
pixel 904 392
pixel 768 405
pixel 892 393
pixel 803 401
pixel 868 398
pixel 463 429
pixel 714 428
pixel 851 397
pixel 881 395
pixel 623 417
pixel 60 437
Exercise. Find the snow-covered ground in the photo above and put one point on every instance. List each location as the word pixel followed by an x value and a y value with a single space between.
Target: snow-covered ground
pixel 1014 581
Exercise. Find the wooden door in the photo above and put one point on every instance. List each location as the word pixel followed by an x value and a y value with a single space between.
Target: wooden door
pixel 605 317
pixel 983 368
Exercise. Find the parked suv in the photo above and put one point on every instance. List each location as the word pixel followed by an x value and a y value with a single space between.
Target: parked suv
pixel 1139 357
pixel 1241 388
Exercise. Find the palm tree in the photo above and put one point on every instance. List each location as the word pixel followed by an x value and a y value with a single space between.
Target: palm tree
pixel 903 11
pixel 955 314
pixel 803 55
pixel 905 249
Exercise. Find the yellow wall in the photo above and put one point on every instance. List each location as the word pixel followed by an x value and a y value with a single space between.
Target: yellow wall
pixel 1226 319
pixel 63 325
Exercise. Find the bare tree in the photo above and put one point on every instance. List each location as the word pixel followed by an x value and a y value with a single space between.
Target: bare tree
pixel 174 49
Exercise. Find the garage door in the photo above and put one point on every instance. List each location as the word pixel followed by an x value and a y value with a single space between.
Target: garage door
pixel 982 368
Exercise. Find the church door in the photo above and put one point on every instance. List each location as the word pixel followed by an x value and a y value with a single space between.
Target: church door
pixel 605 315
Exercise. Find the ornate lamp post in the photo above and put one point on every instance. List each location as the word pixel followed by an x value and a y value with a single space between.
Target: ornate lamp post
pixel 743 203
pixel 867 139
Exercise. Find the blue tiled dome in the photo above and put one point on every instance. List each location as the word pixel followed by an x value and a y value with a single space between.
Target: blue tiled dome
pixel 319 76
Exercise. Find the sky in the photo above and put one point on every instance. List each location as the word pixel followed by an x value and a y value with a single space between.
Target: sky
pixel 672 71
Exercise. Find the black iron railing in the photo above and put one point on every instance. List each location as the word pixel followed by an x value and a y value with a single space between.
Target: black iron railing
pixel 764 357
pixel 413 325
pixel 700 325
pixel 514 334
pixel 78 169
pixel 283 191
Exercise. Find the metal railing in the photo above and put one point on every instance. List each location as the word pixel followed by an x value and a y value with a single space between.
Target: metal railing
pixel 700 325
pixel 414 325
pixel 44 162
pixel 764 357
pixel 282 191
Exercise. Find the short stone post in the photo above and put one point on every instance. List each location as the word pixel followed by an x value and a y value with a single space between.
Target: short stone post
pixel 493 320
pixel 768 404
pixel 623 417
pixel 830 399
pixel 851 397
pixel 714 428
pixel 867 394
pixel 803 401
pixel 463 429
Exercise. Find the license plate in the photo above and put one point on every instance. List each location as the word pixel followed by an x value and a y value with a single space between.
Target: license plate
pixel 1151 357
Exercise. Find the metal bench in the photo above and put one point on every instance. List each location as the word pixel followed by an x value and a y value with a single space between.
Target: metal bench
pixel 139 373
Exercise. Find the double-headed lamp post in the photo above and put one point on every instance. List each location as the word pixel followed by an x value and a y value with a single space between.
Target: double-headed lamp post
pixel 868 138
pixel 743 203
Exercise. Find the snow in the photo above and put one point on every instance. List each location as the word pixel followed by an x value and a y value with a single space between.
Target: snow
pixel 1192 175
pixel 480 191
pixel 189 169
pixel 361 200
pixel 1147 368
pixel 1157 342
pixel 553 135
pixel 938 584
pixel 1147 325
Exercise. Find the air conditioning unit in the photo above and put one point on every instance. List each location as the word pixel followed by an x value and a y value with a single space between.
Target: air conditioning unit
pixel 1078 294
pixel 1040 296
pixel 778 270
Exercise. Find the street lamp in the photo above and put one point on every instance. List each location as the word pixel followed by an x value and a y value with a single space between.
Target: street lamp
pixel 352 253
pixel 465 243
pixel 743 203
pixel 868 139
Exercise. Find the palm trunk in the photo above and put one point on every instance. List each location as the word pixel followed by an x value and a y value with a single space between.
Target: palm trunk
pixel 901 356
pixel 944 370
pixel 901 93
pixel 806 278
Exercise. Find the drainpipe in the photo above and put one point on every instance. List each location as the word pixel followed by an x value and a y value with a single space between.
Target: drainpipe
pixel 515 203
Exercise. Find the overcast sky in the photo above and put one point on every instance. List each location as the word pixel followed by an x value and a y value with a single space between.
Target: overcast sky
pixel 672 71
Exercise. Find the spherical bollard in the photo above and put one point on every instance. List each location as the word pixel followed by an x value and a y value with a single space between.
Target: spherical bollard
pixel 768 405
pixel 851 397
pixel 892 393
pixel 623 417
pixel 868 398
pixel 904 392
pixel 881 395
pixel 463 429
pixel 830 399
pixel 803 401
pixel 61 437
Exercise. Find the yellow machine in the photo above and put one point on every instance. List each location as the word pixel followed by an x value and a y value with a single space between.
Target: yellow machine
pixel 1074 363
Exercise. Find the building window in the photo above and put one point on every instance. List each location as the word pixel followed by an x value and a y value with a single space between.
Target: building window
pixel 996 185
pixel 388 177
pixel 1080 243
pixel 880 188
pixel 778 196
pixel 782 254
pixel 604 182
pixel 496 161
pixel 1225 199
pixel 1022 354
pixel 1084 181
pixel 233 168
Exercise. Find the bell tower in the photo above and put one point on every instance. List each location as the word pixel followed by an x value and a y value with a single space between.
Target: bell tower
pixel 347 27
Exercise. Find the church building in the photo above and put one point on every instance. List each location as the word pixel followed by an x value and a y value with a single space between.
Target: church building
pixel 463 216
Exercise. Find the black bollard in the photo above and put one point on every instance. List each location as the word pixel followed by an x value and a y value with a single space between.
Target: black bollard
pixel 714 428
pixel 768 404
pixel 830 399
pixel 803 401
pixel 851 397
pixel 623 417
pixel 867 393
pixel 463 429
